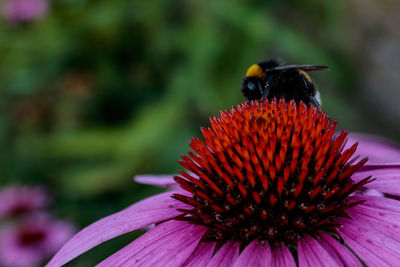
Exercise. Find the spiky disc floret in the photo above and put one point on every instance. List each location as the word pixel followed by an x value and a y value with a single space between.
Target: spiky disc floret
pixel 268 171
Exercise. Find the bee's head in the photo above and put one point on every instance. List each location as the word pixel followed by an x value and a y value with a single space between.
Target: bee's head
pixel 253 88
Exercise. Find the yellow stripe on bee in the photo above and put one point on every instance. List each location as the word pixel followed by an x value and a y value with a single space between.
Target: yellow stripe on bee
pixel 255 71
pixel 306 76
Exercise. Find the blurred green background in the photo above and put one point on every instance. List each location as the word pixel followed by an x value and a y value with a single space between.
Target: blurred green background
pixel 96 92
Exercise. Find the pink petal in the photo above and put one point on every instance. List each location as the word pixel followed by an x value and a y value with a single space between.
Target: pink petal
pixel 311 253
pixel 255 254
pixel 389 217
pixel 372 246
pixel 282 257
pixel 381 203
pixel 383 221
pixel 153 239
pixel 377 149
pixel 337 251
pixel 387 177
pixel 148 211
pixel 377 166
pixel 169 242
pixel 156 180
pixel 201 255
pixel 373 192
pixel 226 255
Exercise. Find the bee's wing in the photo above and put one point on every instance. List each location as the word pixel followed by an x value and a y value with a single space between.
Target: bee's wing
pixel 301 67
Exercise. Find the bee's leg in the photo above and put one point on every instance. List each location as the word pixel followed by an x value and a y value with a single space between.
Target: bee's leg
pixel 314 102
pixel 266 87
pixel 266 91
pixel 261 88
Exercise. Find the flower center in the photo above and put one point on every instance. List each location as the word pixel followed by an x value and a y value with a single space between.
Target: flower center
pixel 19 210
pixel 31 236
pixel 268 171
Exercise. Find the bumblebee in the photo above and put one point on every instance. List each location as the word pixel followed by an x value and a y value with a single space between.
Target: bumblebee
pixel 269 79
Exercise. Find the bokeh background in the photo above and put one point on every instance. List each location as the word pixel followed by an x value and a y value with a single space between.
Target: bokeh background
pixel 95 92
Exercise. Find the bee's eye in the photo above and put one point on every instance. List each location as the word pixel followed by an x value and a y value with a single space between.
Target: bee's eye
pixel 251 85
pixel 252 88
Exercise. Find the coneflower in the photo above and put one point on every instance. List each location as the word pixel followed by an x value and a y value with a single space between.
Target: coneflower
pixel 16 200
pixel 32 240
pixel 270 185
pixel 22 11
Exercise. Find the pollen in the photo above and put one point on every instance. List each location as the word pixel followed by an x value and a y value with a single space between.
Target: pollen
pixel 268 170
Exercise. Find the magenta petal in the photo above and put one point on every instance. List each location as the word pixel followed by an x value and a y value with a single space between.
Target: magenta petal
pixel 381 203
pixel 141 214
pixel 226 255
pixel 383 221
pixel 369 166
pixel 337 251
pixel 387 177
pixel 372 246
pixel 255 254
pixel 383 215
pixel 373 192
pixel 311 253
pixel 156 180
pixel 169 242
pixel 201 255
pixel 282 257
pixel 377 149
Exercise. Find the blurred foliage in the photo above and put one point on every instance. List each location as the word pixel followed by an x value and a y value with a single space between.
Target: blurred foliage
pixel 98 91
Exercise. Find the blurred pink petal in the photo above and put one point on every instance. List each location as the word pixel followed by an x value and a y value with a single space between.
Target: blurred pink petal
pixel 17 11
pixel 32 241
pixel 19 200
